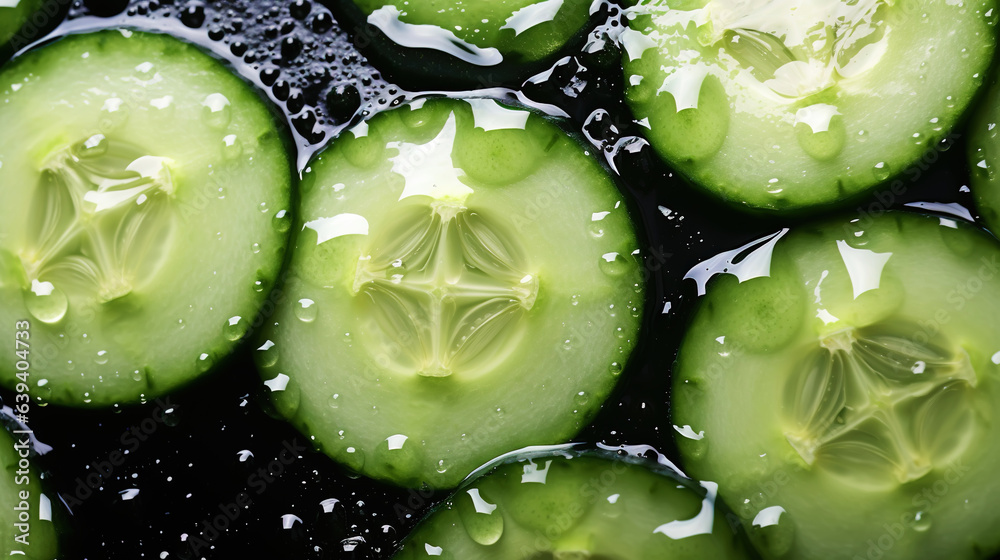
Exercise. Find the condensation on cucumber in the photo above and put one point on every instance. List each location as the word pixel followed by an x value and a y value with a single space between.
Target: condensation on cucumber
pixel 145 215
pixel 788 104
pixel 870 419
pixel 465 280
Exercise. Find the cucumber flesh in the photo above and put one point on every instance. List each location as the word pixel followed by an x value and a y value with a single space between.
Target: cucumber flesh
pixel 464 282
pixel 24 503
pixel 13 17
pixel 569 504
pixel 481 33
pixel 984 158
pixel 779 105
pixel 143 218
pixel 855 390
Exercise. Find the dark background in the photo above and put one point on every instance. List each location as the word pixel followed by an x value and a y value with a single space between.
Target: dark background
pixel 202 453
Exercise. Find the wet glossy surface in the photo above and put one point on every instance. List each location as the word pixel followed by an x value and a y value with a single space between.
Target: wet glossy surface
pixel 212 445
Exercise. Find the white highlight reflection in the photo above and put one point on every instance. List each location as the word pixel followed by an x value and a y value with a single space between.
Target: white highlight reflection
pixel 863 266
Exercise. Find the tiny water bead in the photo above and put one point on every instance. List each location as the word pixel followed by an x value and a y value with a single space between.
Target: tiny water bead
pixel 236 328
pixel 306 310
pixel 46 302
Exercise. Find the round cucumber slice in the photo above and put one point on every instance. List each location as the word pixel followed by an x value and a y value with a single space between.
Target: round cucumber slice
pixel 29 531
pixel 464 282
pixel 568 504
pixel 847 402
pixel 787 104
pixel 144 216
pixel 503 38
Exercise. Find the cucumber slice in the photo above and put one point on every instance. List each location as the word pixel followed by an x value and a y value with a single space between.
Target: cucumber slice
pixel 144 215
pixel 500 38
pixel 847 403
pixel 26 515
pixel 463 283
pixel 13 16
pixel 984 157
pixel 784 104
pixel 569 504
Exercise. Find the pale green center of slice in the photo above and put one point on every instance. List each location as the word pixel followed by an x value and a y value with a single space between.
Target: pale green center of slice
pixel 797 48
pixel 448 288
pixel 99 224
pixel 876 408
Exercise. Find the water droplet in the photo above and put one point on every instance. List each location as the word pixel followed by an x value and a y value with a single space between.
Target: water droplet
pixel 335 400
pixel 581 398
pixel 193 15
pixel 922 521
pixel 596 229
pixel 398 455
pixel 46 302
pixel 862 136
pixel 299 9
pixel 267 354
pixel 204 362
pixel 232 148
pixel 613 264
pixel 773 530
pixel 95 146
pixel 353 459
pixel 285 395
pixel 114 113
pixel 568 344
pixel 881 171
pixel 481 518
pixel 217 111
pixel 43 392
pixel 102 357
pixel 138 375
pixel 171 417
pixel 442 466
pixel 291 47
pixel 255 248
pixel 615 369
pixel 306 310
pixel 235 328
pixel 281 222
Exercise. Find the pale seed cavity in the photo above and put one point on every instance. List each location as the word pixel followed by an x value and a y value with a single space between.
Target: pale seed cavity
pixel 446 288
pixel 877 408
pixel 99 224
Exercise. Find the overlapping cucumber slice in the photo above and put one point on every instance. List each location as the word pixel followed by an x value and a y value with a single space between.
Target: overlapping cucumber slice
pixel 144 218
pixel 14 14
pixel 502 37
pixel 984 158
pixel 785 104
pixel 29 531
pixel 568 504
pixel 846 398
pixel 465 281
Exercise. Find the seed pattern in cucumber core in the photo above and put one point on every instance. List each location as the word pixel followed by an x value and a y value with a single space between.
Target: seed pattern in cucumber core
pixel 447 287
pixel 877 408
pixel 100 224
